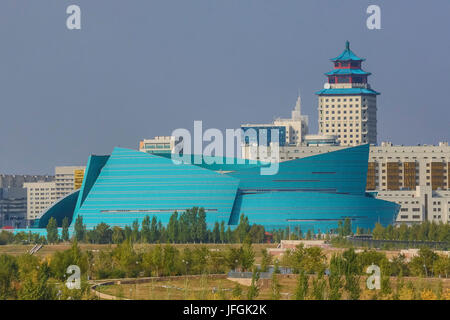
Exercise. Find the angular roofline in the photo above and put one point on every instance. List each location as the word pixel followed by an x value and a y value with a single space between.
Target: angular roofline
pixel 347 55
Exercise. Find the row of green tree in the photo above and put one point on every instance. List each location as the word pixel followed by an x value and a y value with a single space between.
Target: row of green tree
pixel 427 263
pixel 187 227
pixel 190 227
pixel 30 277
pixel 425 231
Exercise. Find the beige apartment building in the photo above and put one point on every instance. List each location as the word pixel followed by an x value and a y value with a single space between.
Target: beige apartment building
pixel 41 194
pixel 67 179
pixel 351 118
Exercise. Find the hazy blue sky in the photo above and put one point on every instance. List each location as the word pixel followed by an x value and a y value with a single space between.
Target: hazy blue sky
pixel 140 68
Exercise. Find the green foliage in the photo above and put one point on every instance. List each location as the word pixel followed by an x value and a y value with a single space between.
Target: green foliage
pixel 237 291
pixel 351 265
pixel 335 282
pixel 65 229
pixel 52 231
pixel 118 235
pixel 222 231
pixel 135 234
pixel 9 272
pixel 61 260
pixel 399 266
pixel 301 290
pixel 6 237
pixel 275 288
pixel 201 235
pixel 216 233
pixel 126 259
pixel 369 257
pixel 242 257
pixel 247 256
pixel 104 233
pixel 188 227
pixel 256 233
pixel 38 288
pixel 385 284
pixel 266 260
pixel 28 265
pixel 351 271
pixel 216 263
pixel 310 260
pixel 276 266
pixel 318 287
pixel 79 228
pixel 425 231
pixel 422 264
pixel 253 290
pixel 352 286
pixel 441 267
pixel 242 229
pixel 344 229
pixel 101 234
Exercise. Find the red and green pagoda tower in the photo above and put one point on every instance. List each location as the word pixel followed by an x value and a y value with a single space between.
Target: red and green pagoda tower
pixel 347 104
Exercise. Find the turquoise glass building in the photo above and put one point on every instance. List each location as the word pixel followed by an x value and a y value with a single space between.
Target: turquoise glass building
pixel 314 193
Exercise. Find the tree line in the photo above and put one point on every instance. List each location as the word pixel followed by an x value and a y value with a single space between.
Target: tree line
pixel 190 227
pixel 187 227
pixel 317 277
pixel 31 277
pixel 424 231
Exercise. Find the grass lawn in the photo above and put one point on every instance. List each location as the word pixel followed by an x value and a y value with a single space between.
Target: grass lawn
pixel 208 288
pixel 47 250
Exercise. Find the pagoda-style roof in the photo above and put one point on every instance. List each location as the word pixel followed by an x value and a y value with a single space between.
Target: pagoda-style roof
pixel 347 71
pixel 347 55
pixel 344 91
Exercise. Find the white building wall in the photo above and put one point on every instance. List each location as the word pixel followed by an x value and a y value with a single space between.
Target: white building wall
pixel 352 118
pixel 420 205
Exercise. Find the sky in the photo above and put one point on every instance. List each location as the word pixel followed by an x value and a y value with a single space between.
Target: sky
pixel 142 68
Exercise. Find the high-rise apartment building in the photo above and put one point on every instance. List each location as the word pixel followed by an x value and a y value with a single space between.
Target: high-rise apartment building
pixel 17 180
pixel 347 104
pixel 13 207
pixel 67 179
pixel 394 167
pixel 42 194
pixel 13 198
